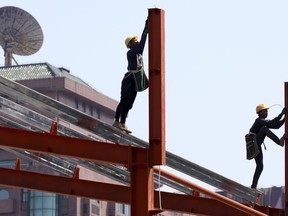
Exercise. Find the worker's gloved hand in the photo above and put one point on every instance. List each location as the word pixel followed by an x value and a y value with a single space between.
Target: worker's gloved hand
pixel 284 111
pixel 146 25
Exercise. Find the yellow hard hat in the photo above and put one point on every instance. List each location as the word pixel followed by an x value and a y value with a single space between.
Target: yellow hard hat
pixel 128 39
pixel 261 107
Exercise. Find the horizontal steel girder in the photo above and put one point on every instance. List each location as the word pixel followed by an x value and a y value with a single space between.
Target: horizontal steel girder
pixel 71 147
pixel 64 185
pixel 103 191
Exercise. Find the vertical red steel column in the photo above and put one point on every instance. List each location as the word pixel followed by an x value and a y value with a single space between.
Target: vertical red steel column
pixel 286 147
pixel 142 189
pixel 157 87
pixel 142 175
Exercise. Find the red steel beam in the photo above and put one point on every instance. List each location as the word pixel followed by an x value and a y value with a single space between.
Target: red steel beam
pixel 194 205
pixel 71 147
pixel 103 191
pixel 65 185
pixel 211 194
pixel 203 206
pixel 156 87
pixel 286 148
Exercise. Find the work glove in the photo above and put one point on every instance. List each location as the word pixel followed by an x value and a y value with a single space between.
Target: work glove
pixel 284 111
pixel 146 25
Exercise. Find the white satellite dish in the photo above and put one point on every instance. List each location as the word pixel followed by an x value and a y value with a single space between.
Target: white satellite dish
pixel 20 33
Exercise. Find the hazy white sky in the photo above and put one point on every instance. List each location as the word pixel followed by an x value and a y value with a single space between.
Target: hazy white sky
pixel 222 59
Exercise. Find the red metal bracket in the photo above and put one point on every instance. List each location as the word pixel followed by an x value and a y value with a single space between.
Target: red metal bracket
pixel 54 128
pixel 17 164
pixel 76 173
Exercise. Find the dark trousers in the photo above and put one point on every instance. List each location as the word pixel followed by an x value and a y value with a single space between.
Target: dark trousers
pixel 128 95
pixel 260 136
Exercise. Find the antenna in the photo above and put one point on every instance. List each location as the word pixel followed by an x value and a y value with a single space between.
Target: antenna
pixel 20 33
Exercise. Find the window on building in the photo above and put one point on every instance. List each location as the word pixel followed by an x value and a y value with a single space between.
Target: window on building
pixel 123 209
pixel 4 194
pixel 85 208
pixel 43 204
pixel 84 107
pixel 76 103
pixel 95 210
pixel 98 113
pixel 95 207
pixel 91 110
pixel 24 196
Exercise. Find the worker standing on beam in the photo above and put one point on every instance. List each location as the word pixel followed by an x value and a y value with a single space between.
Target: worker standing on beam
pixel 134 80
pixel 261 128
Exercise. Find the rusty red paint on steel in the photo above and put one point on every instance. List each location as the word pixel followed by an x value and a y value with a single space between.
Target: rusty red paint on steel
pixel 71 147
pixel 157 87
pixel 211 194
pixel 105 191
pixel 73 186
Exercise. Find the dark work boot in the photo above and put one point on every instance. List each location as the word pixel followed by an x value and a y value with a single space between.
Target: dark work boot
pixel 282 140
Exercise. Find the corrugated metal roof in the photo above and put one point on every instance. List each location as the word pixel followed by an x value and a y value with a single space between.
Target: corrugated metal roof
pixel 37 71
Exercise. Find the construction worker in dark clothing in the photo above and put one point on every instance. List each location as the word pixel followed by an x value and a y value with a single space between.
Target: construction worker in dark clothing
pixel 261 128
pixel 128 86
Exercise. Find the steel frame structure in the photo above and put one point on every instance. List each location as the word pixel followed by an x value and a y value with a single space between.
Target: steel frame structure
pixel 141 162
pixel 128 156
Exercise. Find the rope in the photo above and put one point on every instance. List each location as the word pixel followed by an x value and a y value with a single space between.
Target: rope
pixel 276 105
pixel 264 146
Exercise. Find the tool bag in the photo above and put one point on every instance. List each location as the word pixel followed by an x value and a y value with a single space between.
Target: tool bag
pixel 141 80
pixel 251 146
